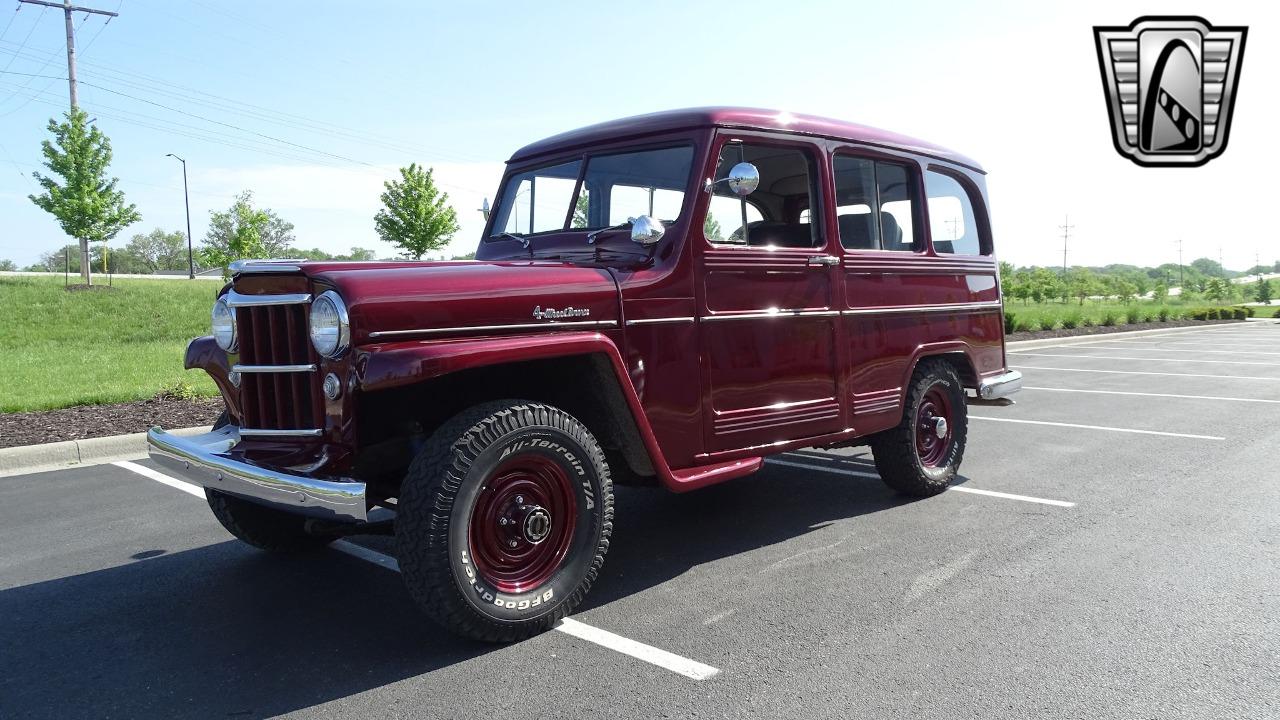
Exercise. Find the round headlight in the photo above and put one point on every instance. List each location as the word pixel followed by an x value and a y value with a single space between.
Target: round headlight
pixel 330 331
pixel 224 325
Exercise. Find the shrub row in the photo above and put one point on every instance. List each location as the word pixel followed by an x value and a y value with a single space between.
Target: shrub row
pixel 1022 322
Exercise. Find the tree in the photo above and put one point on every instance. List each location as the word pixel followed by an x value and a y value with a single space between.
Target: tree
pixel 1161 292
pixel 711 229
pixel 277 236
pixel 415 216
pixel 580 207
pixel 7 265
pixel 1082 282
pixel 1217 289
pixel 236 234
pixel 87 203
pixel 158 250
pixel 1208 267
pixel 1263 292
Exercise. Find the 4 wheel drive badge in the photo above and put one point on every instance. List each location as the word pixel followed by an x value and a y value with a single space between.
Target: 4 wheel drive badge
pixel 554 314
pixel 1171 85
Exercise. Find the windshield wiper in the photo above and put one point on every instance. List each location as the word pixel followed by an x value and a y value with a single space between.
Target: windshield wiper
pixel 524 241
pixel 591 236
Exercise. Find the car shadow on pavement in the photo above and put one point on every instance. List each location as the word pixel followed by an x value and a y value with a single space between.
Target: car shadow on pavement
pixel 218 631
pixel 658 535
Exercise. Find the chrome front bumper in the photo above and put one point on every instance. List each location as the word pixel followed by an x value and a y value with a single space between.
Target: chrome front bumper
pixel 204 460
pixel 1000 386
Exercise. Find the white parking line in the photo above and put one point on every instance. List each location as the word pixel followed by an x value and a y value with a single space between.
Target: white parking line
pixel 1145 372
pixel 1091 346
pixel 161 478
pixel 1115 357
pixel 1097 427
pixel 1146 394
pixel 957 488
pixel 652 655
pixel 640 651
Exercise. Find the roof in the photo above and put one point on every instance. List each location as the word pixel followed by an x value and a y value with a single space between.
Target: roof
pixel 746 118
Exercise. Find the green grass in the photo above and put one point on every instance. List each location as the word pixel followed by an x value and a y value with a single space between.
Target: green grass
pixel 102 346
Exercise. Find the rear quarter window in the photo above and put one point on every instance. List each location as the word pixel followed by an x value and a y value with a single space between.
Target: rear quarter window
pixel 952 221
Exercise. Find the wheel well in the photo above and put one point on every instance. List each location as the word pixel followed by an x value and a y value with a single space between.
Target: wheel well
pixel 960 363
pixel 394 423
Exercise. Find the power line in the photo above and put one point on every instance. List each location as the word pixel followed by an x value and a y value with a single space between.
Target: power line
pixel 67 10
pixel 28 37
pixel 1066 228
pixel 9 24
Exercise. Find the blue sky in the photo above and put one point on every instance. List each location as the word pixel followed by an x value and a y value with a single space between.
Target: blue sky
pixel 312 105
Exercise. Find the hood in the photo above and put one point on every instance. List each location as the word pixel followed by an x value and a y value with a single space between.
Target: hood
pixel 404 301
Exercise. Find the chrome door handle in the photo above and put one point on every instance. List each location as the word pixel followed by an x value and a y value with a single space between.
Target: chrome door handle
pixel 823 260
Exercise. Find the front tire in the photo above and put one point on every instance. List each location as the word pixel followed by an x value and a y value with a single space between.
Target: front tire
pixel 503 520
pixel 922 453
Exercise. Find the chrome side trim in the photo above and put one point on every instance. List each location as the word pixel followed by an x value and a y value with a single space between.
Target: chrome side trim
pixel 235 299
pixel 772 314
pixel 660 321
pixel 264 266
pixel 490 328
pixel 949 307
pixel 204 460
pixel 290 432
pixel 1000 386
pixel 273 368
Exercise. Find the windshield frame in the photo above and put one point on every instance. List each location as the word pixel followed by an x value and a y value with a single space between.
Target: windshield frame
pixel 494 234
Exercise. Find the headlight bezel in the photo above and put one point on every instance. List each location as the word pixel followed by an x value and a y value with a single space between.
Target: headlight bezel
pixel 343 335
pixel 233 345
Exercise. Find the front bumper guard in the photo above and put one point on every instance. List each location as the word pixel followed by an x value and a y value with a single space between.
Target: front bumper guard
pixel 1000 386
pixel 204 461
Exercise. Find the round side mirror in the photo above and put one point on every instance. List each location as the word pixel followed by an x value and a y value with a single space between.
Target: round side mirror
pixel 647 231
pixel 743 179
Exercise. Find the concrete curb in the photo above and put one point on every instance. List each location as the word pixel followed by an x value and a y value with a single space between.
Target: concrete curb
pixel 75 453
pixel 1102 337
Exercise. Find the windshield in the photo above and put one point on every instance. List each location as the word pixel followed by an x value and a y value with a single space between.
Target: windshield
pixel 614 188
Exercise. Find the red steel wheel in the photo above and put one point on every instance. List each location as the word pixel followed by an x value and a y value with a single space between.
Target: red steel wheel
pixel 933 426
pixel 522 523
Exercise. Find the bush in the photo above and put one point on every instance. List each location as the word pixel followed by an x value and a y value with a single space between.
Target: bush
pixel 1148 316
pixel 1164 314
pixel 1009 320
pixel 1133 316
pixel 1243 313
pixel 1109 319
pixel 1088 322
pixel 1071 321
pixel 1023 325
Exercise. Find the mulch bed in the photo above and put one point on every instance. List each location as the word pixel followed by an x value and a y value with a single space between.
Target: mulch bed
pixel 88 421
pixel 1099 330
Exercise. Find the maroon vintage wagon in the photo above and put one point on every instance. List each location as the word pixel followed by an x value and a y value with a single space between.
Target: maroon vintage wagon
pixel 664 299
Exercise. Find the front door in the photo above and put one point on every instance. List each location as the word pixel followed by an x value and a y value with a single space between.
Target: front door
pixel 768 316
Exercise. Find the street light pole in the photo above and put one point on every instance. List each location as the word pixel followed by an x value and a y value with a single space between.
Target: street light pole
pixel 186 199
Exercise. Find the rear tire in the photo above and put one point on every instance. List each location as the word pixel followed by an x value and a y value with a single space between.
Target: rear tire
pixel 503 520
pixel 261 526
pixel 914 458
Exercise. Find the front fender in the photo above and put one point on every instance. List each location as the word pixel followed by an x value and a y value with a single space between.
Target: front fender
pixel 390 365
pixel 203 353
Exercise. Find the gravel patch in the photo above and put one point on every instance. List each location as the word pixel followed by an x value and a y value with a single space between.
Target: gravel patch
pixel 88 421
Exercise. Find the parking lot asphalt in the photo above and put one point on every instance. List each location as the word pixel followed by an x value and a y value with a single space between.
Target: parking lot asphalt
pixel 1148 590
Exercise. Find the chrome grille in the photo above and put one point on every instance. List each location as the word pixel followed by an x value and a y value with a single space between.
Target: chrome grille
pixel 279 389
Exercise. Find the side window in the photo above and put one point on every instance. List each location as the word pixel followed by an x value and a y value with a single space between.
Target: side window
pixel 951 218
pixel 723 225
pixel 777 213
pixel 873 204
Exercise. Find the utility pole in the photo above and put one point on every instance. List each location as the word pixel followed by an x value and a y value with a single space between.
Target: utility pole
pixel 186 199
pixel 1181 282
pixel 67 8
pixel 1066 233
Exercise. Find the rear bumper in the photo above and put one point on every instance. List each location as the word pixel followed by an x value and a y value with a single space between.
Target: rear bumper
pixel 205 461
pixel 1000 386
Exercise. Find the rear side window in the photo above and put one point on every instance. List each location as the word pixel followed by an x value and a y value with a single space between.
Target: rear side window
pixel 951 218
pixel 874 204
